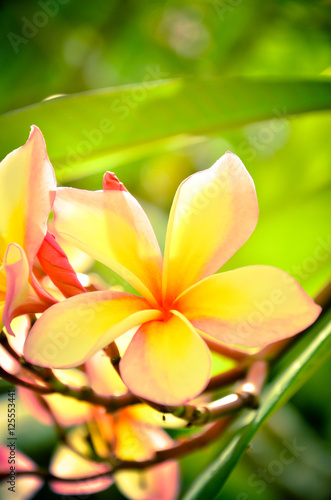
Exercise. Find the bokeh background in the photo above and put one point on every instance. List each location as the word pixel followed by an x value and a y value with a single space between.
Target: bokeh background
pixel 91 45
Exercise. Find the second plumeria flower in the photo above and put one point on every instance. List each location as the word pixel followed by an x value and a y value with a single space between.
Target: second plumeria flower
pixel 27 192
pixel 213 214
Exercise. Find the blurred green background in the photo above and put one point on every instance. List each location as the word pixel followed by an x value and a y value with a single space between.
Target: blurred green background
pixel 80 46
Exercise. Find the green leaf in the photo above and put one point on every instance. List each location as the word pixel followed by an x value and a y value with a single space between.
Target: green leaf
pixel 82 131
pixel 299 363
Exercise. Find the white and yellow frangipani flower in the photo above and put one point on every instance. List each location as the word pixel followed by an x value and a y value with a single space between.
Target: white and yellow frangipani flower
pixel 27 193
pixel 213 214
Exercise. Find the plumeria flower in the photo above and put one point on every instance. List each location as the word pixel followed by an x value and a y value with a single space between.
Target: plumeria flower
pixel 27 192
pixel 132 433
pixel 213 214
pixel 129 439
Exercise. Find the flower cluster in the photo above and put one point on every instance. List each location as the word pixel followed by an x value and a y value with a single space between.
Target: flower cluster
pixel 158 340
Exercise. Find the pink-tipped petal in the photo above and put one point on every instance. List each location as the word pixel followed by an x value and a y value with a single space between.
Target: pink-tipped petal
pixel 112 227
pixel 110 182
pixel 166 362
pixel 68 464
pixel 251 306
pixel 213 214
pixel 103 377
pixel 56 265
pixel 70 332
pixel 21 298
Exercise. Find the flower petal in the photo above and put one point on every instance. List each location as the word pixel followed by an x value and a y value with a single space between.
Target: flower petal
pixel 8 363
pixel 77 412
pixel 213 214
pixel 79 260
pixel 70 332
pixel 27 191
pixel 166 362
pixel 112 227
pixel 20 327
pixel 160 482
pixel 148 415
pixel 20 296
pixel 68 464
pixel 251 306
pixel 157 483
pixel 32 402
pixel 111 183
pixel 103 377
pixel 56 265
pixel 25 487
pixel 2 302
pixel 132 439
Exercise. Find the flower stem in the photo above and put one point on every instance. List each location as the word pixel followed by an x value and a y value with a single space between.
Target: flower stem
pixel 23 383
pixel 114 355
pixel 184 447
pixel 246 396
pixel 226 378
pixel 111 403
